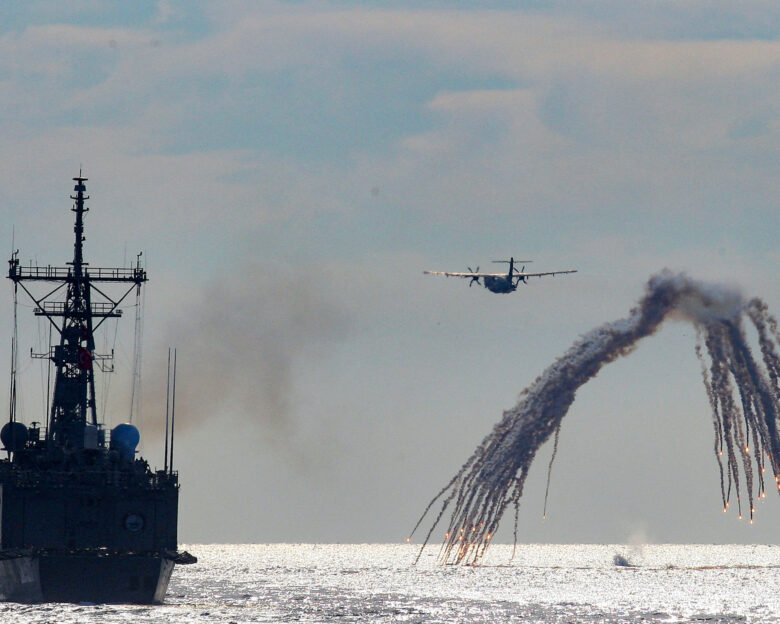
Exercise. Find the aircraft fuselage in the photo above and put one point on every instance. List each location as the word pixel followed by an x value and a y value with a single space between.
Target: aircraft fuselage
pixel 499 284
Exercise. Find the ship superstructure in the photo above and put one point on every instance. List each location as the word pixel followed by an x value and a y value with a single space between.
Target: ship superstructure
pixel 82 518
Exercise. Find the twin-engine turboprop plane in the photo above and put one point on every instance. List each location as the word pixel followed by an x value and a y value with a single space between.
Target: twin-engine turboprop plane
pixel 500 282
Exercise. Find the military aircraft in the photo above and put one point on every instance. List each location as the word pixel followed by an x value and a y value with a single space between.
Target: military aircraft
pixel 500 282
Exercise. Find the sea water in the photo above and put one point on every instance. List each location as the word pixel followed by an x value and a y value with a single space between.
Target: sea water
pixel 381 583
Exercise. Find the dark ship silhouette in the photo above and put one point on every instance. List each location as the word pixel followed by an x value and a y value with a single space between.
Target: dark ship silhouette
pixel 82 519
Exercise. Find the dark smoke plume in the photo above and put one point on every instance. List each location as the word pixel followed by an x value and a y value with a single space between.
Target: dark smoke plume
pixel 239 341
pixel 743 393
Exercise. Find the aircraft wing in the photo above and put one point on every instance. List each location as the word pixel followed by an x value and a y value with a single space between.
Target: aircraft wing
pixel 519 274
pixel 446 273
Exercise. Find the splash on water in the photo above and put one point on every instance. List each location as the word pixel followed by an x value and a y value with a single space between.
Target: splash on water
pixel 622 561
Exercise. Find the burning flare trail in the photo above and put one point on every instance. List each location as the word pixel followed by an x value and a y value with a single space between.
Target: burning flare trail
pixel 743 391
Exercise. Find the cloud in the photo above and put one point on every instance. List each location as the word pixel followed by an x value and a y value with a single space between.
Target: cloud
pixel 585 117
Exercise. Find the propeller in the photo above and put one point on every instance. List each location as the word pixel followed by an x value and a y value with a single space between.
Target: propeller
pixel 473 279
pixel 522 278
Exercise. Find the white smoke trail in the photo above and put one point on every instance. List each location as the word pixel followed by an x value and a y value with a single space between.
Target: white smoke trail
pixel 494 476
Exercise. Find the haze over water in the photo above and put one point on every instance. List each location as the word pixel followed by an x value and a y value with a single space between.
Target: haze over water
pixel 377 583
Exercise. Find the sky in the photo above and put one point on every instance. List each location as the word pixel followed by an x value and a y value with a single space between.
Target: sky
pixel 289 169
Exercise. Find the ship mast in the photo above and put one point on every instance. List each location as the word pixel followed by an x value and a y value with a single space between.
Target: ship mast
pixel 73 416
pixel 74 382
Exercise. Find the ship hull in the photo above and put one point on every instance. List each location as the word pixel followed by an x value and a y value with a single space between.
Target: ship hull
pixel 20 579
pixel 96 577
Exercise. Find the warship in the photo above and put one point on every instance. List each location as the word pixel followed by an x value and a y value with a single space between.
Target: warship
pixel 83 518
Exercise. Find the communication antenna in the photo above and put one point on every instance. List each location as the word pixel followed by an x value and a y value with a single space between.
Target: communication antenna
pixel 173 407
pixel 135 403
pixel 167 410
pixel 14 352
pixel 12 394
pixel 47 415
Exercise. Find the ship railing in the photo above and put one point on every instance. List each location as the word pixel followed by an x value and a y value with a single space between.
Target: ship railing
pixel 59 308
pixel 58 273
pixel 39 272
pixel 117 478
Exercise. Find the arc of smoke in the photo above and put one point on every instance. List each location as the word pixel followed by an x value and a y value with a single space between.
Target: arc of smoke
pixel 492 479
